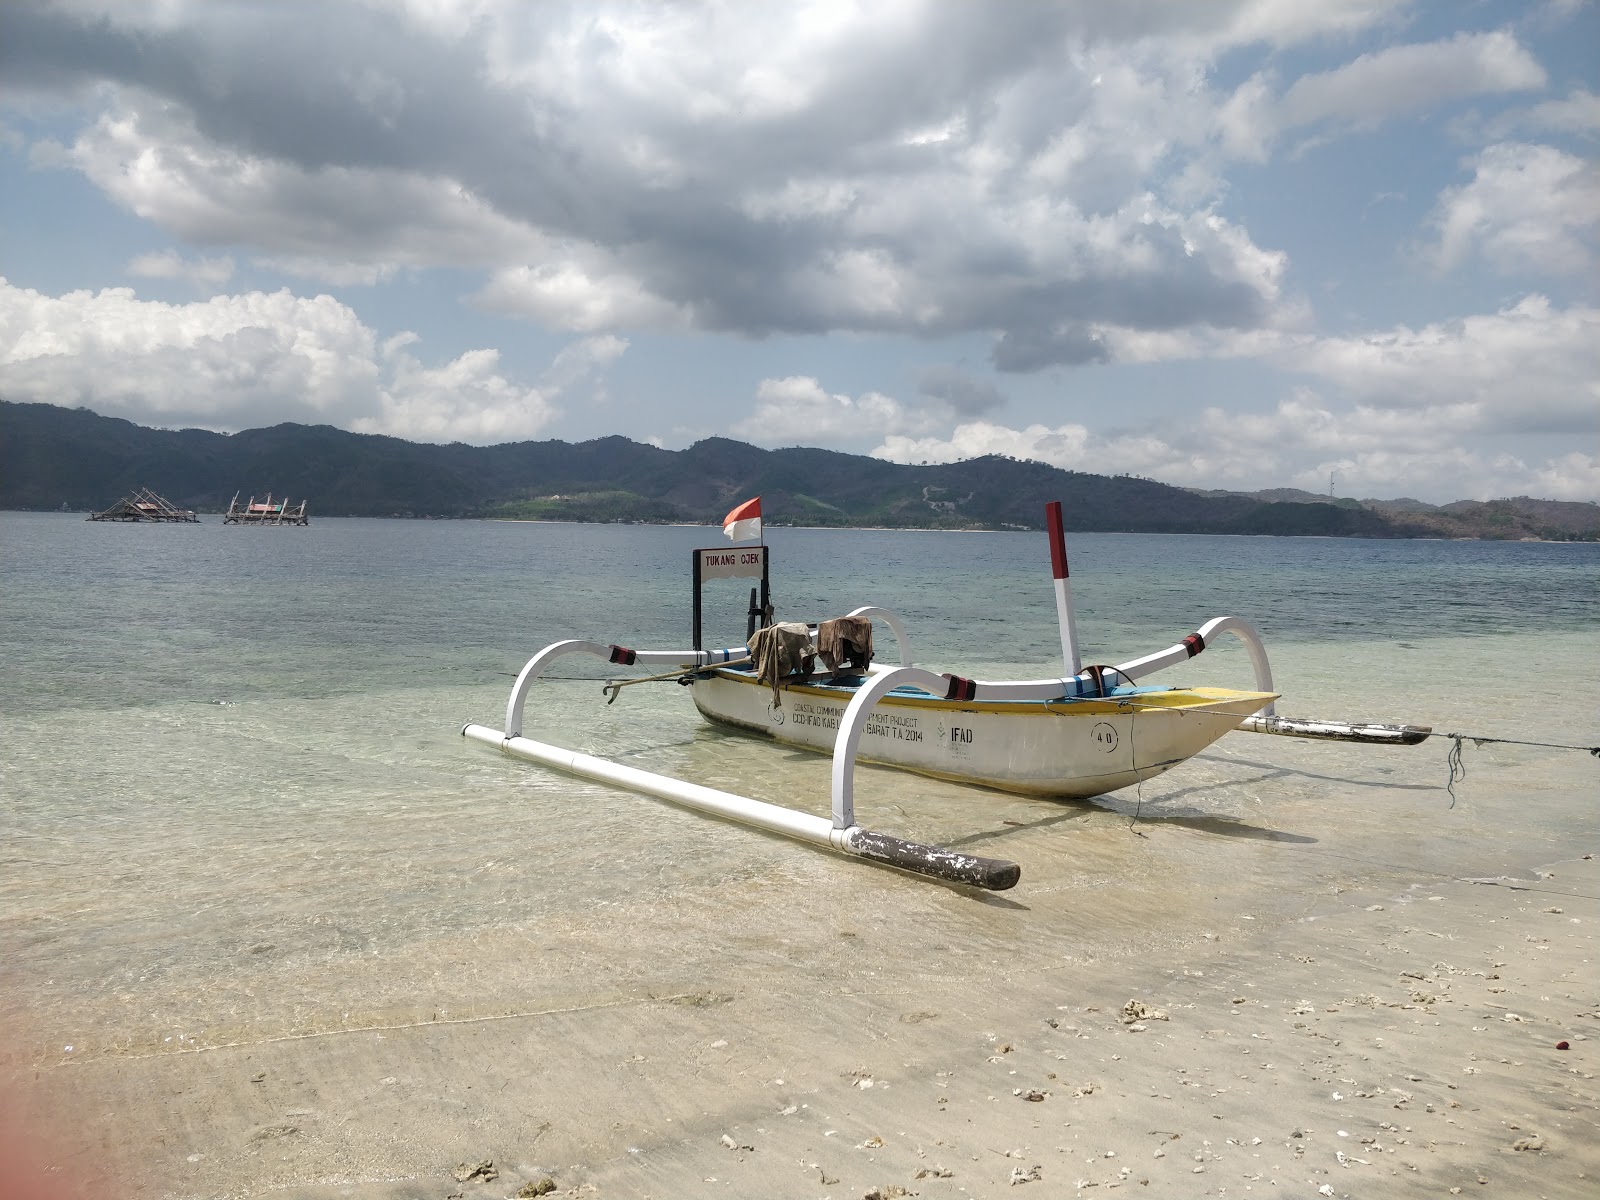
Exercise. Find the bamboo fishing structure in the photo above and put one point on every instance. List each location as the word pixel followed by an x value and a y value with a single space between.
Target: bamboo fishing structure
pixel 267 512
pixel 145 505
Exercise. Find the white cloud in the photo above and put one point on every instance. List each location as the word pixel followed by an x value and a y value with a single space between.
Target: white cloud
pixel 334 272
pixel 1374 87
pixel 1574 476
pixel 911 169
pixel 1529 368
pixel 338 224
pixel 921 169
pixel 799 411
pixel 1578 113
pixel 1528 207
pixel 236 362
pixel 1404 79
pixel 583 296
pixel 1048 179
pixel 219 363
pixel 1298 443
pixel 204 273
pixel 1287 22
pixel 466 400
pixel 585 357
pixel 1424 412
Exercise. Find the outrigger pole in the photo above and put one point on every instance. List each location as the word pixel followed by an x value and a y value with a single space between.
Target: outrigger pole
pixel 935 861
pixel 836 832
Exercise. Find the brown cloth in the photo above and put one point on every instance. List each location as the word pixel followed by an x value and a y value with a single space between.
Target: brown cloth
pixel 845 641
pixel 779 650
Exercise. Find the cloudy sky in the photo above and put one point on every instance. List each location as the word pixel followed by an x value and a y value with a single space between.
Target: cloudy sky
pixel 1222 243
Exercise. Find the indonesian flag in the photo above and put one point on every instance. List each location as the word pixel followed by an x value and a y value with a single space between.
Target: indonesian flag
pixel 744 522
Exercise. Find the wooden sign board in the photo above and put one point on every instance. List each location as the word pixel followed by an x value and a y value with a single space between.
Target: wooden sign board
pixel 740 562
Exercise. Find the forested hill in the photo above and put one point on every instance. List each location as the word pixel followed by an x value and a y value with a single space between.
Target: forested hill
pixel 54 458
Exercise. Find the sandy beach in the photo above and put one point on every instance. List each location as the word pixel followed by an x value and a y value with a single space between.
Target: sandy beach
pixel 1397 1041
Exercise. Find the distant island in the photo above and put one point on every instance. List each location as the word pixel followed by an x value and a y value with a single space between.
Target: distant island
pixel 54 458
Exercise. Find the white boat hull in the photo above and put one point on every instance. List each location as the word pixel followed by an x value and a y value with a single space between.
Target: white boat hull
pixel 1060 748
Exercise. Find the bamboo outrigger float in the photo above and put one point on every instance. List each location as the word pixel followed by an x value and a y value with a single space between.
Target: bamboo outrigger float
pixel 267 512
pixel 1088 731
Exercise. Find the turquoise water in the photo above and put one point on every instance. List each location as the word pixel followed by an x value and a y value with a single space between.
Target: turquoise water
pixel 237 805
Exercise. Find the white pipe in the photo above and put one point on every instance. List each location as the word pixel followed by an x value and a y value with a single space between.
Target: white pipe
pixel 853 724
pixel 1070 656
pixel 531 670
pixel 804 826
pixel 992 874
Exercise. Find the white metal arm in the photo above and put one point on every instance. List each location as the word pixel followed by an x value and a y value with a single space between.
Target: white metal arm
pixel 1198 641
pixel 617 654
pixel 1083 685
pixel 853 724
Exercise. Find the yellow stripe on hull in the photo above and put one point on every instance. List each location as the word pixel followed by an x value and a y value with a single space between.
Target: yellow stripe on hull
pixel 1055 748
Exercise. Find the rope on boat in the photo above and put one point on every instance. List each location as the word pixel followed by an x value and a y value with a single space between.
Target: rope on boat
pixel 1454 761
pixel 613 687
pixel 1476 740
pixel 1458 766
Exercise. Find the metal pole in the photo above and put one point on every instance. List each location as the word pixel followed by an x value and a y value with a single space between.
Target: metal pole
pixel 934 861
pixel 696 577
pixel 1058 564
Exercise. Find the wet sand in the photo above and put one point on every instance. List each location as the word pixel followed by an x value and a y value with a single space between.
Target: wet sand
pixel 1400 1040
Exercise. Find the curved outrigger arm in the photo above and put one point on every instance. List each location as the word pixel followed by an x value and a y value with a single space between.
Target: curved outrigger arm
pixel 854 723
pixel 1267 720
pixel 1198 641
pixel 1087 683
pixel 618 654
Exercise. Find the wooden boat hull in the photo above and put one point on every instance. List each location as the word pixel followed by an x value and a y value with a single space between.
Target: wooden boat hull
pixel 1042 748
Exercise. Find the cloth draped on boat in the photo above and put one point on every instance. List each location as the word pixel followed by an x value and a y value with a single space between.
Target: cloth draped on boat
pixel 845 642
pixel 779 650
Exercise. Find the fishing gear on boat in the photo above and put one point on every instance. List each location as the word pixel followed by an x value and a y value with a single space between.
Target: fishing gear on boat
pixel 613 687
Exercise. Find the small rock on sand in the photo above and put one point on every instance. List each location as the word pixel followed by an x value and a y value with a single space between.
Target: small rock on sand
pixel 1134 1011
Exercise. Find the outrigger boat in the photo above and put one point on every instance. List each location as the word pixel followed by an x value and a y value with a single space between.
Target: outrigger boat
pixel 1089 731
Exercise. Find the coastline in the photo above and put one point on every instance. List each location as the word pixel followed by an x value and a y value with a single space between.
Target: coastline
pixel 1400 1037
pixel 1342 537
pixel 1008 528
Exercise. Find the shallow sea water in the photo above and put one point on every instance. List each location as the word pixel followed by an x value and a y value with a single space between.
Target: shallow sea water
pixel 237 806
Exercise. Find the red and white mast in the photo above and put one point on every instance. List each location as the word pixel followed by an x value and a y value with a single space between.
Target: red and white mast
pixel 1058 564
